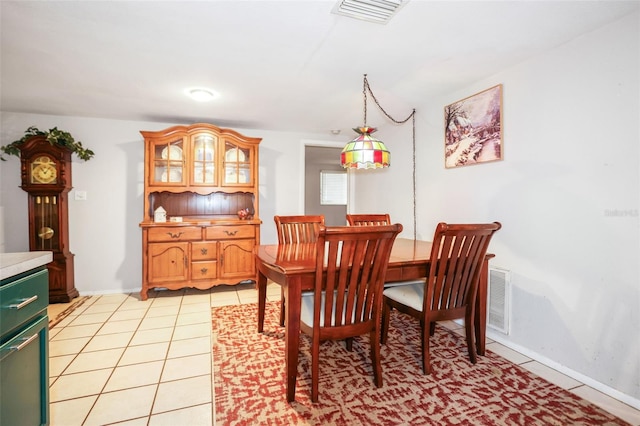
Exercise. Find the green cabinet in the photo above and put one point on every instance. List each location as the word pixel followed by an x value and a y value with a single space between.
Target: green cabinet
pixel 24 342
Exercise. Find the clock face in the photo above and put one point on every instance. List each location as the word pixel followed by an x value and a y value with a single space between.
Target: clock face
pixel 43 170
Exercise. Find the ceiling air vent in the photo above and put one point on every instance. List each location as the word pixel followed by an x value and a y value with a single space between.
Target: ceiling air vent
pixel 379 11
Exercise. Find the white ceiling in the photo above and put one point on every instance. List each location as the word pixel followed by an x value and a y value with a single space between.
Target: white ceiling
pixel 280 65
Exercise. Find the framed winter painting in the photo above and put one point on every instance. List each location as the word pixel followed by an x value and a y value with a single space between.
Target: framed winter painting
pixel 473 129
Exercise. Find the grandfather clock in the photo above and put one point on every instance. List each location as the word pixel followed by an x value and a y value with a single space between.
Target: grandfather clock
pixel 46 177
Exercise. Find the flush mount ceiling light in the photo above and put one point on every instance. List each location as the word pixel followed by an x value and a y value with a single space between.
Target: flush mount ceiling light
pixel 378 11
pixel 200 94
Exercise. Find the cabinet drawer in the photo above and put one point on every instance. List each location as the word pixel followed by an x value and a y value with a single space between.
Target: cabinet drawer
pixel 230 232
pixel 204 251
pixel 178 233
pixel 23 299
pixel 24 388
pixel 204 270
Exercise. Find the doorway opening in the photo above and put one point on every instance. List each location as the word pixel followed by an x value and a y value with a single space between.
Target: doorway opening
pixel 324 192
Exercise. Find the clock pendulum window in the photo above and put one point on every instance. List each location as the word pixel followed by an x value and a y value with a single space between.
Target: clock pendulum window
pixel 46 218
pixel 46 177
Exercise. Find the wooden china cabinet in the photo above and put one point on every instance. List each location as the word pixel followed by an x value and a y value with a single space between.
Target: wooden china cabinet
pixel 202 176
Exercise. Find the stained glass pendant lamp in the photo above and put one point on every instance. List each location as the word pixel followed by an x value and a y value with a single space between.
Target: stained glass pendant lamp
pixel 365 151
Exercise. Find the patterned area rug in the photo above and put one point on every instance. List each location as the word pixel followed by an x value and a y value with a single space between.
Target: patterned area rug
pixel 75 304
pixel 250 387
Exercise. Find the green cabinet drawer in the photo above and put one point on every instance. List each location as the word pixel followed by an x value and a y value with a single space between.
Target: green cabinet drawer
pixel 22 299
pixel 24 376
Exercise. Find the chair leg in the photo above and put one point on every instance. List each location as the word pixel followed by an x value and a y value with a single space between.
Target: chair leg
pixel 432 329
pixel 349 342
pixel 374 340
pixel 469 330
pixel 426 356
pixel 386 313
pixel 315 365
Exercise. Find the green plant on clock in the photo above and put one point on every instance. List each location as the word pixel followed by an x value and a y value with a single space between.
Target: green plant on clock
pixel 54 137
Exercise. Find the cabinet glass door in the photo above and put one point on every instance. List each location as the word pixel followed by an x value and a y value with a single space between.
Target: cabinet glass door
pixel 237 165
pixel 204 159
pixel 168 163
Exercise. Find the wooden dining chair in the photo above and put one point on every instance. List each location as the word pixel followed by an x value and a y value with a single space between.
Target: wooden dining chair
pixel 457 255
pixel 347 296
pixel 368 219
pixel 377 219
pixel 296 229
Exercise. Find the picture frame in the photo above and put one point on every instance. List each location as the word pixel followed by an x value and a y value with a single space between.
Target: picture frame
pixel 473 129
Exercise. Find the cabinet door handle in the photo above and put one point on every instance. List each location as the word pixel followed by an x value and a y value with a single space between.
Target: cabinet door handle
pixel 172 235
pixel 203 271
pixel 203 251
pixel 24 302
pixel 231 233
pixel 25 342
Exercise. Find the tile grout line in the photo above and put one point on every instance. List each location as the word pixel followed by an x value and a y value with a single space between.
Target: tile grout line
pixel 102 391
pixel 113 369
pixel 164 361
pixel 78 352
pixel 157 385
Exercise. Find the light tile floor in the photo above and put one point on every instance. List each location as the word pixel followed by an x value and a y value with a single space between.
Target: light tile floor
pixel 119 360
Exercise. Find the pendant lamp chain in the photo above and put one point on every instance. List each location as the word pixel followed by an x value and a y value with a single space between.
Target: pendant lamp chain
pixel 366 88
pixel 365 85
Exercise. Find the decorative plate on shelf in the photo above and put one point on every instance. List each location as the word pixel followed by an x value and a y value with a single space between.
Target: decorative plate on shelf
pixel 172 151
pixel 173 176
pixel 201 176
pixel 231 177
pixel 234 155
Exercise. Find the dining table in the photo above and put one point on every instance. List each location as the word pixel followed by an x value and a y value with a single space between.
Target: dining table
pixel 293 266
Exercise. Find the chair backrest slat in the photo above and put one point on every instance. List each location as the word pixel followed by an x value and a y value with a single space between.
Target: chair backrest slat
pixel 368 219
pixel 298 229
pixel 356 260
pixel 457 255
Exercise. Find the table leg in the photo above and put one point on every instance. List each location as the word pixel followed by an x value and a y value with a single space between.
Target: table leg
pixel 262 299
pixel 480 321
pixel 292 335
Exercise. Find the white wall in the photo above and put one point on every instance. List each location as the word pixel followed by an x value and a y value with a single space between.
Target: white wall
pixel 103 230
pixel 571 130
pixel 566 193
